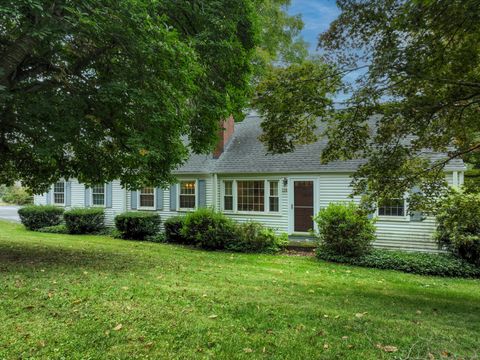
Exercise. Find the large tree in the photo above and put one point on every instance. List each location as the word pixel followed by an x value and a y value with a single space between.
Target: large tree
pixel 108 89
pixel 417 66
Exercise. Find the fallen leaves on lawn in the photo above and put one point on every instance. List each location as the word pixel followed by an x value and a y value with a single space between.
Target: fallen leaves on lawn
pixel 118 327
pixel 387 348
pixel 247 350
pixel 213 316
pixel 360 315
pixel 325 346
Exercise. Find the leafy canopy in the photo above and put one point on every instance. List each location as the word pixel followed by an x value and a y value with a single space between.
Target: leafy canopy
pixel 111 90
pixel 416 65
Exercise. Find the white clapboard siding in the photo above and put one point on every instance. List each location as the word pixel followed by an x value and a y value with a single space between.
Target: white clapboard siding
pixel 166 213
pixel 276 221
pixel 392 233
pixel 78 199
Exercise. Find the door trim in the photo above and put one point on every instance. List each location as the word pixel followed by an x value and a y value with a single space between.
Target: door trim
pixel 291 190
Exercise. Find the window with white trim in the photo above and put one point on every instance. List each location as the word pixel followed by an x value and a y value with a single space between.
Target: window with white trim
pixel 98 195
pixel 251 195
pixel 146 197
pixel 59 193
pixel 228 195
pixel 392 207
pixel 187 197
pixel 273 198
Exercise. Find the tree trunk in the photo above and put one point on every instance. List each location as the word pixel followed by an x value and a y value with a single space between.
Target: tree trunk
pixel 13 57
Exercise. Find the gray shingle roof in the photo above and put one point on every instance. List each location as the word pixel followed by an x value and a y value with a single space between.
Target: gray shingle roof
pixel 245 153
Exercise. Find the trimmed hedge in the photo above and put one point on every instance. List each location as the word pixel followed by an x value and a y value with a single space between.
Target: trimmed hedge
pixel 208 229
pixel 35 217
pixel 137 225
pixel 414 262
pixel 254 237
pixel 55 229
pixel 344 229
pixel 84 220
pixel 173 230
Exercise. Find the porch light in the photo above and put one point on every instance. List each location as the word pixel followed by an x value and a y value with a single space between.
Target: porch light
pixel 285 182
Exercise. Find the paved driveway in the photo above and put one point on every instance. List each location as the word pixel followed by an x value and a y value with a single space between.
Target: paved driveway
pixel 9 213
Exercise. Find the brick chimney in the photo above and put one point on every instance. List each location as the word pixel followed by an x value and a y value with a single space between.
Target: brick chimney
pixel 227 128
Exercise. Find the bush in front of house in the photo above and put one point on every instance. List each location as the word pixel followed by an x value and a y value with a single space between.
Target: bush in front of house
pixel 458 225
pixel 84 220
pixel 137 225
pixel 208 229
pixel 55 229
pixel 344 229
pixel 35 217
pixel 409 262
pixel 173 230
pixel 254 237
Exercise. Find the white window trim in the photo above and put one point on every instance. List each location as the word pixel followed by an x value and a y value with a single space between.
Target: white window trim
pixel 196 195
pixel 222 205
pixel 405 217
pixel 104 197
pixel 64 194
pixel 154 207
pixel 266 197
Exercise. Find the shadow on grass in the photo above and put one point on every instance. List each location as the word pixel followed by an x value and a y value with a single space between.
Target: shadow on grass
pixel 17 258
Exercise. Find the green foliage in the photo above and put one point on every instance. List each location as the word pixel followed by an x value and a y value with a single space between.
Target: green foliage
pixel 35 217
pixel 16 195
pixel 157 238
pixel 410 262
pixel 137 225
pixel 208 229
pixel 55 229
pixel 416 65
pixel 344 229
pixel 129 79
pixel 254 237
pixel 289 123
pixel 173 230
pixel 84 220
pixel 472 181
pixel 458 226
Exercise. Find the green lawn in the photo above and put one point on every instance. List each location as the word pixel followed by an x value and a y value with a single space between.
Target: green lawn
pixel 66 296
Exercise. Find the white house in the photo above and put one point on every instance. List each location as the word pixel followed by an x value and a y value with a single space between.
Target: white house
pixel 239 179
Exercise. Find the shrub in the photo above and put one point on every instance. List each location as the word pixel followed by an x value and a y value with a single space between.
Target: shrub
pixel 458 226
pixel 84 220
pixel 344 230
pixel 157 238
pixel 137 225
pixel 208 229
pixel 410 262
pixel 173 230
pixel 55 229
pixel 17 195
pixel 254 237
pixel 35 217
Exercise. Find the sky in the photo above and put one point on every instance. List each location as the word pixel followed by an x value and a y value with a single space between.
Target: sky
pixel 317 15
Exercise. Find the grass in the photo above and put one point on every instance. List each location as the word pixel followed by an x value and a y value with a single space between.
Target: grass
pixel 65 296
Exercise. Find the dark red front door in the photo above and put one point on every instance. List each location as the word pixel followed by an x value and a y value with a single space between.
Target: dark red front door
pixel 303 205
